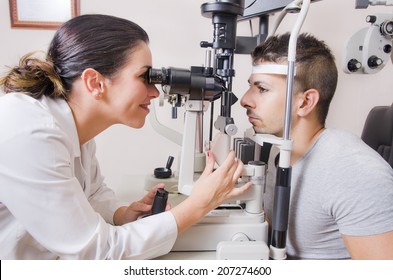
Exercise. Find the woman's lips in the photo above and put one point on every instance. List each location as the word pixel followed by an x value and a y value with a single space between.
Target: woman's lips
pixel 145 107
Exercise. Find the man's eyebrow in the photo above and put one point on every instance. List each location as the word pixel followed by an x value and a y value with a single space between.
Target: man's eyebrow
pixel 255 83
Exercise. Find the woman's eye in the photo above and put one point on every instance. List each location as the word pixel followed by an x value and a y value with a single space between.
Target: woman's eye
pixel 145 75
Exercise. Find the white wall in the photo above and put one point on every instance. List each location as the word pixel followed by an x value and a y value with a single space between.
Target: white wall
pixel 176 27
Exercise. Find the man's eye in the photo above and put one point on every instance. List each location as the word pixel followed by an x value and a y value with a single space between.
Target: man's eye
pixel 262 89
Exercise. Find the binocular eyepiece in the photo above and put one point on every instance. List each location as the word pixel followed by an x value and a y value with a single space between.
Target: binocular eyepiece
pixel 198 83
pixel 158 76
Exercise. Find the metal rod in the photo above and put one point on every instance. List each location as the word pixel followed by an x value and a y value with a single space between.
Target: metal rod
pixel 288 101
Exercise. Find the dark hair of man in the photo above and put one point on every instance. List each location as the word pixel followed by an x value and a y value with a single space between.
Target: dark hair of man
pixel 315 66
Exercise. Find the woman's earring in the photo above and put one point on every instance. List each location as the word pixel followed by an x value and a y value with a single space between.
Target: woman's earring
pixel 97 94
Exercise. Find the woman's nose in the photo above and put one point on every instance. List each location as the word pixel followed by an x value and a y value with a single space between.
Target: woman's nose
pixel 153 91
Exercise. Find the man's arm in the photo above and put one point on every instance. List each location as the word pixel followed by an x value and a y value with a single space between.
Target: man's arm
pixel 379 246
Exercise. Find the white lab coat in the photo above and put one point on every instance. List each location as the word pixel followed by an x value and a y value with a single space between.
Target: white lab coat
pixel 53 201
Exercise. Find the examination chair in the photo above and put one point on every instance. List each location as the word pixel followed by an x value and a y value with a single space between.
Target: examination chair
pixel 378 131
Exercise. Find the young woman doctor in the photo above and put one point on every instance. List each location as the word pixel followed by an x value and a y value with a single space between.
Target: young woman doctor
pixel 53 201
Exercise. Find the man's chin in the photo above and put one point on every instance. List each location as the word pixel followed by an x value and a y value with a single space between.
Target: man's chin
pixel 260 130
pixel 266 131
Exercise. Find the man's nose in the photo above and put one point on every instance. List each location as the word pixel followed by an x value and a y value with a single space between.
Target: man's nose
pixel 245 100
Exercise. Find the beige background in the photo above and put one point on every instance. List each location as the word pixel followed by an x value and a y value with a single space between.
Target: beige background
pixel 175 28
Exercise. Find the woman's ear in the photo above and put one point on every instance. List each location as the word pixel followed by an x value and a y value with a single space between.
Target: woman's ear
pixel 307 101
pixel 94 82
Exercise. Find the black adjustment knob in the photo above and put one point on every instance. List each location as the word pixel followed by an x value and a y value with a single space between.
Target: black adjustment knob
pixel 205 44
pixel 371 19
pixel 354 65
pixel 374 61
pixel 386 28
pixel 387 48
pixel 164 172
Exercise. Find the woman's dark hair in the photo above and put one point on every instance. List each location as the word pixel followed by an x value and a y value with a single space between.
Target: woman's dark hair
pixel 101 42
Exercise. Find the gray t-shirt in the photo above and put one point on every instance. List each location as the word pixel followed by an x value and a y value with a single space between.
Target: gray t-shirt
pixel 340 186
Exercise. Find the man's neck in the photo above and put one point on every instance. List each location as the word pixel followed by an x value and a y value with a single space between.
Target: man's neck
pixel 304 135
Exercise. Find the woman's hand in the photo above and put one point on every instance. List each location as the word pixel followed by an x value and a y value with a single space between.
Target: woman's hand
pixel 210 190
pixel 215 186
pixel 136 209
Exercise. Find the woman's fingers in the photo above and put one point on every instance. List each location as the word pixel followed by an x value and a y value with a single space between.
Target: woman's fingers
pixel 209 165
pixel 149 197
pixel 229 161
pixel 141 207
pixel 232 167
pixel 239 190
pixel 238 171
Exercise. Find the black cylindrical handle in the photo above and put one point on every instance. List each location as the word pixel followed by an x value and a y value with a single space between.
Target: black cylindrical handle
pixel 169 162
pixel 160 200
pixel 282 194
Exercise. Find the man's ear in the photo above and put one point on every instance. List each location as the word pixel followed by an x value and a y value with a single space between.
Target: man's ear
pixel 94 82
pixel 307 101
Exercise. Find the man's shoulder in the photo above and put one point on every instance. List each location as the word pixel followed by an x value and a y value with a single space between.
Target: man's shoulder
pixel 340 142
pixel 343 154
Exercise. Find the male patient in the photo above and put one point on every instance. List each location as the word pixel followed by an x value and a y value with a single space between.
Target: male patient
pixel 341 190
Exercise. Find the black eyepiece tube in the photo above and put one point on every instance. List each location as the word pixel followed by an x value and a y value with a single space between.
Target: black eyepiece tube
pixel 196 82
pixel 178 80
pixel 158 76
